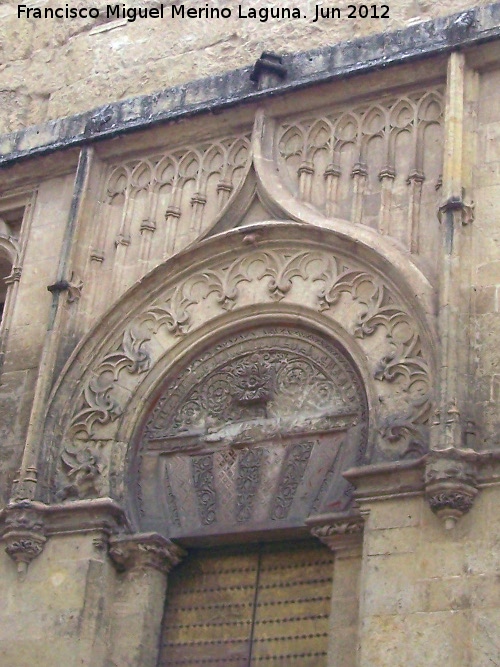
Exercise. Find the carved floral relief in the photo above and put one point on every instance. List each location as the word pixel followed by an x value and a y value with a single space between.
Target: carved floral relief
pixel 253 433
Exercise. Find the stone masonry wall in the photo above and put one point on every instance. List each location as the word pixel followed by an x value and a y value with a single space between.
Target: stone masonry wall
pixel 486 272
pixel 51 68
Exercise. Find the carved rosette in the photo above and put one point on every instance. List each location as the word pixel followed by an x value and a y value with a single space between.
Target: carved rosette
pixel 451 483
pixel 23 535
pixel 144 551
pixel 337 531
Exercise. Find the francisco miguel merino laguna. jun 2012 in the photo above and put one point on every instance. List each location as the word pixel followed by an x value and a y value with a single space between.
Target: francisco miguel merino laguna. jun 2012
pixel 262 14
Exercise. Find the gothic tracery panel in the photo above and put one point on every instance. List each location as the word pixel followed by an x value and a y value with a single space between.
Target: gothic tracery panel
pixel 253 435
pixel 378 163
pixel 154 206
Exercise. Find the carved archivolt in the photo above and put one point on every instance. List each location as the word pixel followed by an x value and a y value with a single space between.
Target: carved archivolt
pixel 303 272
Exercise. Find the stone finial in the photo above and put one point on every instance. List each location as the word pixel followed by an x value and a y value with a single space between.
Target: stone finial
pixel 144 550
pixel 450 483
pixel 23 535
pixel 337 531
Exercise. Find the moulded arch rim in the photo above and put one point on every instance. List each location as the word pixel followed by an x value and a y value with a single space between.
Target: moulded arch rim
pixel 11 249
pixel 410 284
pixel 107 334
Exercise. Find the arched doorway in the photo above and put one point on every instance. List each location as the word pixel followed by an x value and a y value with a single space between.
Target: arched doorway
pixel 242 444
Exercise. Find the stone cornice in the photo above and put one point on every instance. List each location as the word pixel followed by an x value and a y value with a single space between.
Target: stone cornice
pixel 464 29
pixel 385 481
pixel 25 526
pixel 449 479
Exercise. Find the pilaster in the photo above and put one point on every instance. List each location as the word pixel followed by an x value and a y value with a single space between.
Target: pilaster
pixel 342 533
pixel 144 561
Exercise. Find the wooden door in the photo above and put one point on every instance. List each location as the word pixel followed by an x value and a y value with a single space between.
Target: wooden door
pixel 255 605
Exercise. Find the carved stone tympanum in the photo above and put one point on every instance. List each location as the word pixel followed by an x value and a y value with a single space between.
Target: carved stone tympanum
pixel 252 435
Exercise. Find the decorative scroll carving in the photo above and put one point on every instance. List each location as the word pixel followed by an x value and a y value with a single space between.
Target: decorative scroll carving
pixel 304 391
pixel 99 404
pixel 172 503
pixel 378 163
pixel 203 482
pixel 247 483
pixel 147 550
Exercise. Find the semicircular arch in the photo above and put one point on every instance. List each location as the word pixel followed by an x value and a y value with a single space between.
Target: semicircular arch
pixel 270 269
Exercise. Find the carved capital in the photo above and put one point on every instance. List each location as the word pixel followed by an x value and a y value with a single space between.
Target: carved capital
pixel 97 255
pixel 23 534
pixel 338 531
pixel 387 172
pixel 451 483
pixel 148 226
pixel 144 550
pixel 122 239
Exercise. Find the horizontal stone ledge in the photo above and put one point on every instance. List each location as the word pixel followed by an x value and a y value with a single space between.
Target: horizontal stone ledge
pixel 388 481
pixel 215 93
pixel 93 514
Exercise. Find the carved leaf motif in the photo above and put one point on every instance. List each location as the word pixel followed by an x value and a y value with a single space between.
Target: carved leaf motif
pixel 84 464
pixel 203 481
pixel 101 406
pixel 247 482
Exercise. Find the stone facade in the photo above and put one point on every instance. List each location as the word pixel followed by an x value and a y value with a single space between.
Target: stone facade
pixel 249 351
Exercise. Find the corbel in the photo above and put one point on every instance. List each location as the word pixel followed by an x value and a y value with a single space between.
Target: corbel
pixel 268 67
pixel 457 207
pixel 451 483
pixel 73 287
pixel 23 534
